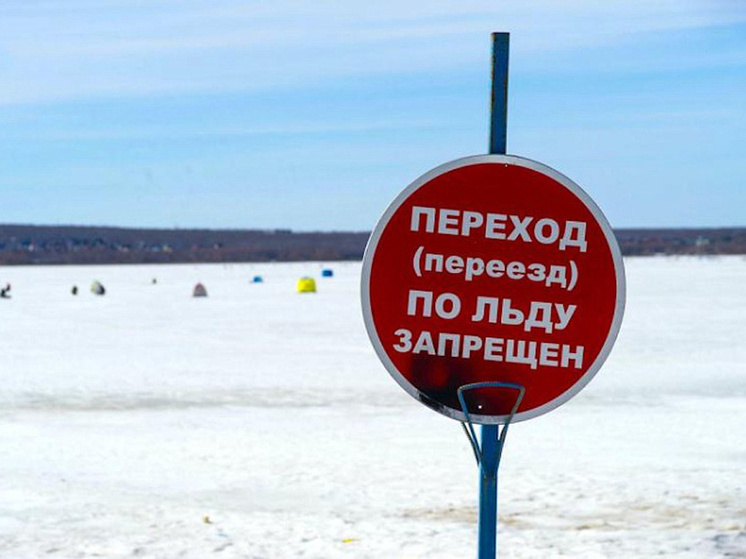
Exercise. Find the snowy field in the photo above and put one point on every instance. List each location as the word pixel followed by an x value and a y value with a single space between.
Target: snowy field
pixel 258 423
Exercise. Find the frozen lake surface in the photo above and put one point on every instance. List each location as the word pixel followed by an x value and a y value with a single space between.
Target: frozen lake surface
pixel 258 423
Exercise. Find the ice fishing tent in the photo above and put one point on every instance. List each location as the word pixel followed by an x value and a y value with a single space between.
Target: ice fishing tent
pixel 327 273
pixel 97 288
pixel 306 285
pixel 257 279
pixel 199 291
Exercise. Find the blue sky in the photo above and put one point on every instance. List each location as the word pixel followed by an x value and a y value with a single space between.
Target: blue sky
pixel 314 115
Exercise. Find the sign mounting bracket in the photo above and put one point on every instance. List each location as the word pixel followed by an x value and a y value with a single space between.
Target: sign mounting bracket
pixel 468 425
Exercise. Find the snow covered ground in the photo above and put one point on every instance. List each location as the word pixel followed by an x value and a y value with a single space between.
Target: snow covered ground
pixel 258 423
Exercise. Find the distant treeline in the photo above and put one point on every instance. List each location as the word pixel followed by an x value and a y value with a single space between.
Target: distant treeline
pixel 31 244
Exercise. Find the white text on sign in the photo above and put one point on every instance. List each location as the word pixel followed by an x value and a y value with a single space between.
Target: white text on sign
pixel 472 267
pixel 526 352
pixel 546 231
pixel 539 315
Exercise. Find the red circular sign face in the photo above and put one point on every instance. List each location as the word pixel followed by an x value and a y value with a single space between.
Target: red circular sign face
pixel 493 269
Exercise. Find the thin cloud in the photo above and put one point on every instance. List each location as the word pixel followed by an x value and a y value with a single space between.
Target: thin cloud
pixel 178 132
pixel 103 50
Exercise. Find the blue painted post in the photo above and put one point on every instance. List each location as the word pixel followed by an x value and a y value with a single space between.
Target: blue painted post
pixel 488 493
pixel 499 102
pixel 490 444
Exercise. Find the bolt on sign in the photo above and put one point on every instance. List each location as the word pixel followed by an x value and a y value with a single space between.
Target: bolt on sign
pixel 493 268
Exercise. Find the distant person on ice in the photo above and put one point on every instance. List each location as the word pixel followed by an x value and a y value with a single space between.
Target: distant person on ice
pixel 5 291
pixel 97 288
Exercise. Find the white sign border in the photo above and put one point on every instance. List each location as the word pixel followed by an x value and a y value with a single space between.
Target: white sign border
pixel 616 322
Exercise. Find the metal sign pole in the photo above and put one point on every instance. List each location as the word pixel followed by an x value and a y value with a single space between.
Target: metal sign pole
pixel 490 446
pixel 499 100
pixel 488 457
pixel 487 548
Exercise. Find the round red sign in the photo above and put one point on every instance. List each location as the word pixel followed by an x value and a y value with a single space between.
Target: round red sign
pixel 493 268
